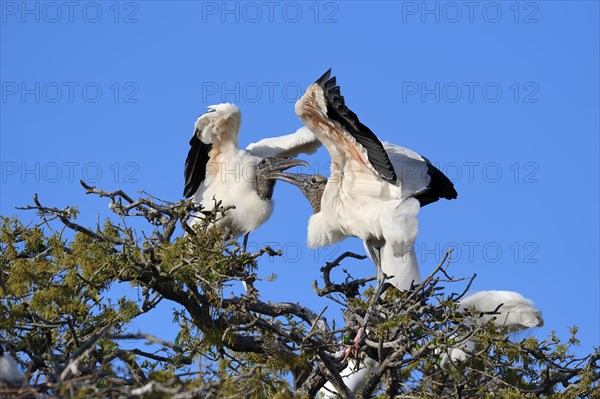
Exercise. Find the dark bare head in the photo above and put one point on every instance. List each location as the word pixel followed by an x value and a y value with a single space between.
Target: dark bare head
pixel 312 186
pixel 268 170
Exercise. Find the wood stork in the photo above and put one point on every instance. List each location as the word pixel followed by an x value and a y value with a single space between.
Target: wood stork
pixel 374 192
pixel 9 369
pixel 400 275
pixel 216 168
pixel 515 313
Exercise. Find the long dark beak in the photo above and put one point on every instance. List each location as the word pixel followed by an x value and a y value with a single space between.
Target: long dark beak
pixel 278 165
pixel 297 179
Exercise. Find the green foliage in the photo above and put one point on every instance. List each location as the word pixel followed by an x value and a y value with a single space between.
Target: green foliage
pixel 63 323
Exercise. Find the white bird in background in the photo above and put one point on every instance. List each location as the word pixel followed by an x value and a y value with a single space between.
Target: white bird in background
pixel 217 169
pixel 516 313
pixel 374 192
pixel 9 369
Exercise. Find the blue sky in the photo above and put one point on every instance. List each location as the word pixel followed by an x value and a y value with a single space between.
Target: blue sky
pixel 502 96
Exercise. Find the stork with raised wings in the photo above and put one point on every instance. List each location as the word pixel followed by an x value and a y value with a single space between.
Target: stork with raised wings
pixel 374 191
pixel 217 169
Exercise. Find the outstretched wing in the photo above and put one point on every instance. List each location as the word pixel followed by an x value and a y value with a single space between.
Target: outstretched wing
pixel 302 141
pixel 418 177
pixel 220 124
pixel 339 112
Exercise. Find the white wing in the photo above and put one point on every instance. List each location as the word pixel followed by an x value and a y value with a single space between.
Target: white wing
pixel 411 169
pixel 516 312
pixel 222 122
pixel 303 141
pixel 417 177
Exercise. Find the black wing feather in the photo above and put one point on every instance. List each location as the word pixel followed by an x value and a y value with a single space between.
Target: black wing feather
pixel 338 111
pixel 426 197
pixel 439 187
pixel 324 78
pixel 440 183
pixel 195 165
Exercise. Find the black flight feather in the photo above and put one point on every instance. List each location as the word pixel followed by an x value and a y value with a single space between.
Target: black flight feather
pixel 324 78
pixel 338 111
pixel 425 197
pixel 195 165
pixel 439 186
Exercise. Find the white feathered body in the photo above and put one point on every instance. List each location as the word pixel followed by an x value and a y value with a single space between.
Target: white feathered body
pixel 516 313
pixel 231 172
pixel 357 202
pixel 231 178
pixel 410 167
pixel 402 269
pixel 365 206
pixel 372 210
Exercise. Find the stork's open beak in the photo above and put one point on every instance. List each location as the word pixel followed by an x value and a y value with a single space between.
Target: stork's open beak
pixel 297 179
pixel 278 165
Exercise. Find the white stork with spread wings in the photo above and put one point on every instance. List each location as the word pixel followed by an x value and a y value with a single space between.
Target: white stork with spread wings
pixel 375 189
pixel 373 192
pixel 414 179
pixel 216 168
